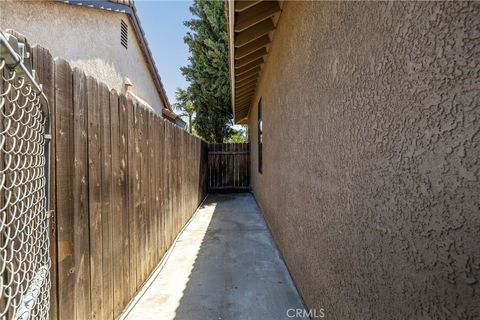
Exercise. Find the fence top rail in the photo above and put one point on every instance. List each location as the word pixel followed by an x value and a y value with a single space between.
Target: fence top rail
pixel 16 58
pixel 228 152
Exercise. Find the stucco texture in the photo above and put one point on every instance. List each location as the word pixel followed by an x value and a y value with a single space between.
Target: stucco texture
pixel 88 38
pixel 371 130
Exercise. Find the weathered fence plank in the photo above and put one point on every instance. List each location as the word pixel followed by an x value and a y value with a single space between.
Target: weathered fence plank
pixel 156 179
pixel 64 136
pixel 107 220
pixel 81 198
pixel 152 230
pixel 228 166
pixel 139 194
pixel 95 197
pixel 118 205
pixel 158 147
pixel 42 62
pixel 168 178
pixel 131 196
pixel 123 199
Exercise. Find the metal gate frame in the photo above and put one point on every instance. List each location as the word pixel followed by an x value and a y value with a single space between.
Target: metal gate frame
pixel 24 208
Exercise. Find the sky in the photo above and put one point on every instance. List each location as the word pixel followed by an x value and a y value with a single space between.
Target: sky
pixel 162 22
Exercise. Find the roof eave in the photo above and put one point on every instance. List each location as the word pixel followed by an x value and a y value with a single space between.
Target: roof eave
pixel 251 28
pixel 231 37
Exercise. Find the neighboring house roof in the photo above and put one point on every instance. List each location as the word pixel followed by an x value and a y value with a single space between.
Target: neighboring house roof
pixel 128 7
pixel 175 118
pixel 171 116
pixel 182 124
pixel 124 2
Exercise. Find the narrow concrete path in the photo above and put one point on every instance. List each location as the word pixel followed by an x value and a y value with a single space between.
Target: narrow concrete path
pixel 224 266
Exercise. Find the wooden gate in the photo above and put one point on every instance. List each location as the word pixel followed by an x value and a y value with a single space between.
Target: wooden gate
pixel 228 167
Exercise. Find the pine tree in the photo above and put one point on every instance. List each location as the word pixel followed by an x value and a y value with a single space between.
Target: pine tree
pixel 207 71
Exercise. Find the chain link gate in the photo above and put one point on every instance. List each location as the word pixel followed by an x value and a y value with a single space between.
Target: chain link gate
pixel 24 228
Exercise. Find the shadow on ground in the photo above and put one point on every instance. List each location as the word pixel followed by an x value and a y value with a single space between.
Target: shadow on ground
pixel 224 266
pixel 238 273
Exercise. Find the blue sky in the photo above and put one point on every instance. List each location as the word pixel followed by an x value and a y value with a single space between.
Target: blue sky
pixel 162 22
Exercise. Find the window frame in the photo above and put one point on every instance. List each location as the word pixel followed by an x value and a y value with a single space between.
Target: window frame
pixel 260 135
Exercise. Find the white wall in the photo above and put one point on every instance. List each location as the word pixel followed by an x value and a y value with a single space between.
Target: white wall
pixel 86 37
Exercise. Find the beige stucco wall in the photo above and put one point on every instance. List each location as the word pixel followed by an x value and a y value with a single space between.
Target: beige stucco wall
pixel 88 38
pixel 371 183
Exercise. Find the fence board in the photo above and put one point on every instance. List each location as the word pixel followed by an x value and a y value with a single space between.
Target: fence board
pixel 123 152
pixel 42 62
pixel 145 198
pixel 64 186
pixel 95 197
pixel 228 166
pixel 164 182
pixel 148 194
pixel 176 200
pixel 156 183
pixel 167 175
pixel 80 197
pixel 137 213
pixel 107 220
pixel 131 196
pixel 118 206
pixel 143 258
pixel 170 142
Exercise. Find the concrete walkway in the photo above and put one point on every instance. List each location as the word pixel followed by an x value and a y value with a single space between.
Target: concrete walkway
pixel 224 265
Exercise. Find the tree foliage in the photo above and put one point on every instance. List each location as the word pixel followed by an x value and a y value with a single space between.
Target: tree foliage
pixel 207 71
pixel 238 136
pixel 185 106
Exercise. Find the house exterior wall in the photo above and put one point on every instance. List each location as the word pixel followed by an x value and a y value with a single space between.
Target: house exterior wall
pixel 86 37
pixel 371 130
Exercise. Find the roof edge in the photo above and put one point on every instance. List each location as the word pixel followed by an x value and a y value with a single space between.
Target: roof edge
pixel 251 32
pixel 131 11
pixel 231 52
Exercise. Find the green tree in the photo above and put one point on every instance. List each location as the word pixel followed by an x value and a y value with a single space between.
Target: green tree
pixel 238 136
pixel 207 71
pixel 185 106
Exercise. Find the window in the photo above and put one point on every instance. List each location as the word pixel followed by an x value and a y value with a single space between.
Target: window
pixel 260 138
pixel 123 34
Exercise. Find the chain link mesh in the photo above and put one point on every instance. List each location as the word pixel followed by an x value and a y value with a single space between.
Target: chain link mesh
pixel 24 237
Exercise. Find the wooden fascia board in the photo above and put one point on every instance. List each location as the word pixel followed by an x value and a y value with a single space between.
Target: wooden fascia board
pixel 248 74
pixel 251 57
pixel 249 66
pixel 245 50
pixel 254 32
pixel 244 5
pixel 255 14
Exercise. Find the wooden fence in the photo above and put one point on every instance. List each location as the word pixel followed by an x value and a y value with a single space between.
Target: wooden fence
pixel 228 167
pixel 123 184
